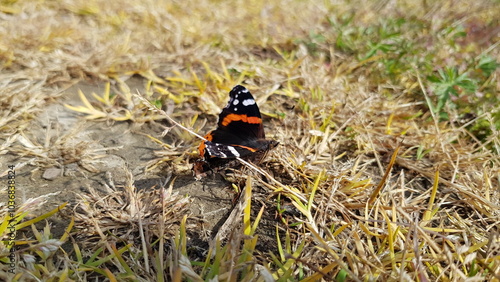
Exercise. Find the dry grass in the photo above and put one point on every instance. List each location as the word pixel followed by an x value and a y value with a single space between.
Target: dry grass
pixel 368 184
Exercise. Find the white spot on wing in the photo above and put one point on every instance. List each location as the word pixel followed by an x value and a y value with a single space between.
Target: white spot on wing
pixel 219 151
pixel 235 109
pixel 233 151
pixel 236 102
pixel 248 102
pixel 207 147
pixel 244 90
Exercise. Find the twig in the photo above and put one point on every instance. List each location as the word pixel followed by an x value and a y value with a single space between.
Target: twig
pixel 163 113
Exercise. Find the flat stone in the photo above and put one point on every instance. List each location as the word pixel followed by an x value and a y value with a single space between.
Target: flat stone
pixel 52 173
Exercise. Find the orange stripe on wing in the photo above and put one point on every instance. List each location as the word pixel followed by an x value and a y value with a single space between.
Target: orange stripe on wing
pixel 244 118
pixel 245 147
pixel 201 148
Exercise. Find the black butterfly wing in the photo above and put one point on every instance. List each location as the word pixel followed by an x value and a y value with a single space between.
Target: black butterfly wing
pixel 239 130
pixel 241 116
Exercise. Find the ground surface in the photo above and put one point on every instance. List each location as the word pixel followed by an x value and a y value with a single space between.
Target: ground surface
pixel 387 115
pixel 116 148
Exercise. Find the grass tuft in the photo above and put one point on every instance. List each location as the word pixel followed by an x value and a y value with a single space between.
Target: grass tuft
pixel 387 115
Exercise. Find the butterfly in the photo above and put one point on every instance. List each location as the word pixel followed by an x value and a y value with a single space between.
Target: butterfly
pixel 239 133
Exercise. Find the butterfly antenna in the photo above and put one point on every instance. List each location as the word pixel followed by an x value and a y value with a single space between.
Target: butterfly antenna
pixel 163 113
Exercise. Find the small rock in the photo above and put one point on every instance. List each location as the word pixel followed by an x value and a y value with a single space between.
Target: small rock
pixel 52 173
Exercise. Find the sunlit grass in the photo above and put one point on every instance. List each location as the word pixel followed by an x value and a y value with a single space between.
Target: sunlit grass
pixel 387 115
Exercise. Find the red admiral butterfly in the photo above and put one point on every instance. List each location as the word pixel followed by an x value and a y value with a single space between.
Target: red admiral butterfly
pixel 239 133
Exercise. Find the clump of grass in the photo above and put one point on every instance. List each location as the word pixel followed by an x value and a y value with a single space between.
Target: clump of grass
pixel 233 260
pixel 35 254
pixel 374 180
pixel 131 226
pixel 57 150
pixel 126 209
pixel 461 74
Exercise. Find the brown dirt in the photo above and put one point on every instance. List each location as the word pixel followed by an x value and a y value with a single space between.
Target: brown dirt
pixel 124 147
